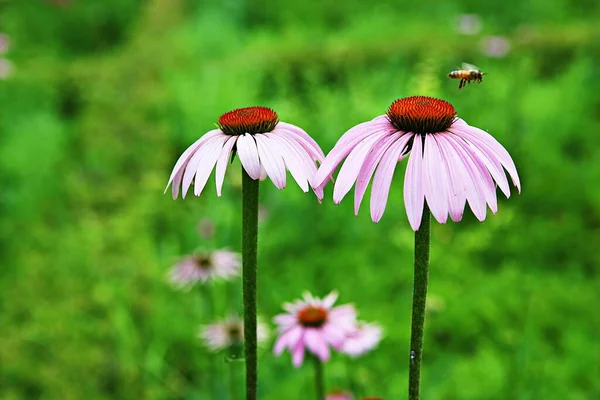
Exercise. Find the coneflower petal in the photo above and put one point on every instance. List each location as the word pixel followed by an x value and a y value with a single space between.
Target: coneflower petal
pixel 304 136
pixel 207 163
pixel 185 158
pixel 435 179
pixel 383 178
pixel 488 183
pixel 482 137
pixel 270 158
pixel 307 160
pixel 315 343
pixel 474 185
pixel 192 166
pixel 368 168
pixel 414 193
pixel 457 192
pixel 222 163
pixel 293 161
pixel 352 166
pixel 248 153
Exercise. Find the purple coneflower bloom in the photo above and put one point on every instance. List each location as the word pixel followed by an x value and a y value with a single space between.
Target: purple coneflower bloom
pixel 339 396
pixel 261 141
pixel 450 162
pixel 230 332
pixel 315 325
pixel 365 338
pixel 204 266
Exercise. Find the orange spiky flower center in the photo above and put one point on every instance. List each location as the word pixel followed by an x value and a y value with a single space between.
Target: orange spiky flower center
pixel 248 120
pixel 420 114
pixel 312 316
pixel 203 261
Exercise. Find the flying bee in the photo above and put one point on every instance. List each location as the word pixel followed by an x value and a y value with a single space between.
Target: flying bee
pixel 467 74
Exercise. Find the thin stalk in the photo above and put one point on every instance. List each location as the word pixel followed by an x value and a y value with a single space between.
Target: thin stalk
pixel 249 245
pixel 422 244
pixel 232 381
pixel 319 379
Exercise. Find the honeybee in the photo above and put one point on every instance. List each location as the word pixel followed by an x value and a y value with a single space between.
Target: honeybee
pixel 467 74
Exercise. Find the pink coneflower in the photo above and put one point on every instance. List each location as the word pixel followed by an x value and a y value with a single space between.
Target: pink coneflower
pixel 204 266
pixel 4 43
pixel 468 24
pixel 314 324
pixel 260 140
pixel 363 339
pixel 450 162
pixel 230 332
pixel 338 395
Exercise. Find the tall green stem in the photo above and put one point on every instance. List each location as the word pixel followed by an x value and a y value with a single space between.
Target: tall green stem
pixel 422 243
pixel 319 379
pixel 249 245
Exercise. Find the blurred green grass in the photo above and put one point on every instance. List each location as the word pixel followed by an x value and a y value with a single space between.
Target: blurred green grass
pixel 105 96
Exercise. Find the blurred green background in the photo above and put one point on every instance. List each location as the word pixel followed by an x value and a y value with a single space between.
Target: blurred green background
pixel 103 96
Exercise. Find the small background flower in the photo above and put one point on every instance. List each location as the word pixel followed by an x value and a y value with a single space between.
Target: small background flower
pixel 313 324
pixel 468 24
pixel 495 46
pixel 229 332
pixel 204 266
pixel 339 395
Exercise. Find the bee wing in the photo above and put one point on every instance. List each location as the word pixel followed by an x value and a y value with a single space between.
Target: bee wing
pixel 469 67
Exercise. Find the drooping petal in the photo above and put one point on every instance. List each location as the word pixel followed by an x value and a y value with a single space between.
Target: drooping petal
pixel 248 153
pixel 198 157
pixel 457 193
pixel 222 163
pixel 293 161
pixel 383 177
pixel 308 161
pixel 304 136
pixel 298 353
pixel 352 166
pixel 270 158
pixel 472 181
pixel 414 193
pixel 177 172
pixel 207 164
pixel 288 339
pixel 435 179
pixel 368 168
pixel 315 343
pixel 484 138
pixel 342 149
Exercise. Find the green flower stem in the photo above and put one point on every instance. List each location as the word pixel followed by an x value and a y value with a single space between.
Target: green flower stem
pixel 249 245
pixel 319 379
pixel 422 244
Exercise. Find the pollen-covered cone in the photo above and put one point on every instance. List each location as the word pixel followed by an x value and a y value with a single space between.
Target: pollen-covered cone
pixel 264 145
pixel 450 163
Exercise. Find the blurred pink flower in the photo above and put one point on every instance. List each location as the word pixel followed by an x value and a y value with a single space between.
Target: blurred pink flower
pixel 263 144
pixel 363 339
pixel 229 332
pixel 468 24
pixel 339 396
pixel 450 162
pixel 495 46
pixel 204 266
pixel 5 68
pixel 315 325
pixel 4 43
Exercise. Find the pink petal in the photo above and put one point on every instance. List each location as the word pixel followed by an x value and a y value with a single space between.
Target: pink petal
pixel 198 157
pixel 206 165
pixel 457 193
pixel 329 300
pixel 482 137
pixel 383 177
pixel 298 354
pixel 346 143
pixel 414 193
pixel 185 158
pixel 307 160
pixel 293 161
pixel 472 180
pixel 315 343
pixel 222 163
pixel 288 339
pixel 270 158
pixel 352 166
pixel 368 167
pixel 246 150
pixel 304 136
pixel 435 179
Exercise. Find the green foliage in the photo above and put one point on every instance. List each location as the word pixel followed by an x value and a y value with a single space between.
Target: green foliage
pixel 105 96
